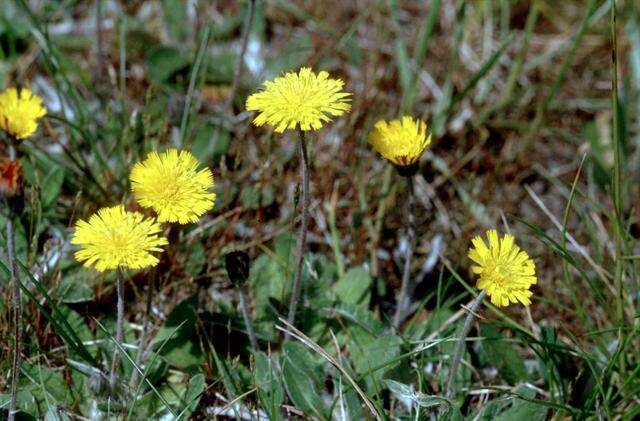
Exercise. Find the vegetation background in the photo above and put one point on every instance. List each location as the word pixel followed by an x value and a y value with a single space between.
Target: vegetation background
pixel 530 136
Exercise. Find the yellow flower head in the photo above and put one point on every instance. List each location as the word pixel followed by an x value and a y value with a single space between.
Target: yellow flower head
pixel 19 112
pixel 303 98
pixel 171 184
pixel 114 238
pixel 505 272
pixel 400 142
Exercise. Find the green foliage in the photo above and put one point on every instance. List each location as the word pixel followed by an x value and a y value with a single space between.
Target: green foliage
pixel 303 379
pixel 508 113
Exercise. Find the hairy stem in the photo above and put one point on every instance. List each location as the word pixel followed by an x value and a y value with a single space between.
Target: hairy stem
pixel 15 302
pixel 302 233
pixel 244 309
pixel 403 301
pixel 237 70
pixel 119 329
pixel 145 327
pixel 457 356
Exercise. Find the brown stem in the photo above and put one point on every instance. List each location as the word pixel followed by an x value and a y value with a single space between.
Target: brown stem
pixel 237 71
pixel 403 300
pixel 15 302
pixel 302 233
pixel 457 356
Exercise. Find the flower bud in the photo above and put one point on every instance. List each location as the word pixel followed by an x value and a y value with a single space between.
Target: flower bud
pixel 10 177
pixel 237 265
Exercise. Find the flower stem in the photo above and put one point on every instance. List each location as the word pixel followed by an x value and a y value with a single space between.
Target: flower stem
pixel 15 301
pixel 244 309
pixel 457 356
pixel 119 329
pixel 237 71
pixel 403 301
pixel 145 327
pixel 302 233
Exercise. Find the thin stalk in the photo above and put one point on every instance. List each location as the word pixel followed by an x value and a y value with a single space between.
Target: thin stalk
pixel 617 187
pixel 237 70
pixel 102 60
pixel 516 69
pixel 244 309
pixel 302 233
pixel 200 55
pixel 457 356
pixel 403 304
pixel 119 329
pixel 17 311
pixel 145 327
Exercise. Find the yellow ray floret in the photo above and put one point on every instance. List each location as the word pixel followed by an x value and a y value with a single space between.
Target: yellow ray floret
pixel 301 99
pixel 504 271
pixel 20 111
pixel 171 184
pixel 114 238
pixel 400 142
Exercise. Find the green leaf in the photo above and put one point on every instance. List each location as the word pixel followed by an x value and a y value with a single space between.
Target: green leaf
pixel 41 390
pixel 367 356
pixel 269 384
pixel 51 188
pixel 304 380
pixel 293 55
pixel 354 287
pixel 175 16
pixel 74 290
pixel 164 62
pixel 210 143
pixel 197 385
pixel 411 397
pixel 502 355
pixel 523 410
pixel 182 350
pixel 195 257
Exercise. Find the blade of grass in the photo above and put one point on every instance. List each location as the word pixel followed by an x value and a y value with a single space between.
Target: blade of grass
pixel 148 367
pixel 402 56
pixel 419 54
pixel 123 353
pixel 59 321
pixel 543 106
pixel 565 265
pixel 477 76
pixel 289 329
pixel 192 83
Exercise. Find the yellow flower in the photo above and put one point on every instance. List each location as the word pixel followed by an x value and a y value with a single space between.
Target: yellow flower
pixel 114 238
pixel 505 272
pixel 401 142
pixel 171 184
pixel 303 98
pixel 19 112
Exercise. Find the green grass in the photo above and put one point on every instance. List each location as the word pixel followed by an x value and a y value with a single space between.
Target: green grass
pixel 535 132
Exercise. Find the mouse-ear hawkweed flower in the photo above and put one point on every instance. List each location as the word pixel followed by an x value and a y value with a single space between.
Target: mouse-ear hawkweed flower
pixel 400 142
pixel 116 239
pixel 503 270
pixel 304 99
pixel 113 238
pixel 505 274
pixel 20 112
pixel 171 184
